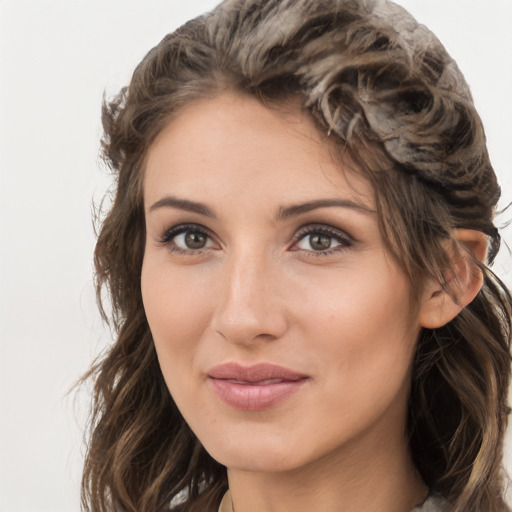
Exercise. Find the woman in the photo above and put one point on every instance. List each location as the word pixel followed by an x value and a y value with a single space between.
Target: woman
pixel 296 256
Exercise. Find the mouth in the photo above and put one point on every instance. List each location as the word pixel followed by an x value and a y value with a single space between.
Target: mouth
pixel 256 383
pixel 255 388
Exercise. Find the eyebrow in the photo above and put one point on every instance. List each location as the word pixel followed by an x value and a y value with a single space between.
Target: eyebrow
pixel 284 212
pixel 185 205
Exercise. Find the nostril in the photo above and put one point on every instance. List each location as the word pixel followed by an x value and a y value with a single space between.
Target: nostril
pixel 248 307
pixel 249 327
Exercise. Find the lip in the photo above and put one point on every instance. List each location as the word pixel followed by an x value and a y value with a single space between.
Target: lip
pixel 255 388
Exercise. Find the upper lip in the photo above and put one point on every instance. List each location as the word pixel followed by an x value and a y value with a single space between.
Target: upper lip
pixel 255 373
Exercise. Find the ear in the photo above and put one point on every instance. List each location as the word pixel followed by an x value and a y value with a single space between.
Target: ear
pixel 439 306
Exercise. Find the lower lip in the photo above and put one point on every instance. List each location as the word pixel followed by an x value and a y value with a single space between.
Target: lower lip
pixel 253 397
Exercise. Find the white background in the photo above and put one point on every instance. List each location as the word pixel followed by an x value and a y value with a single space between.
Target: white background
pixel 57 57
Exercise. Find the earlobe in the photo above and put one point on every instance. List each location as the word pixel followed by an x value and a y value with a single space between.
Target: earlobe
pixel 439 305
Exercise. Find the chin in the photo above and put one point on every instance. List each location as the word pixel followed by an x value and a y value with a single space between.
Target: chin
pixel 261 462
pixel 263 455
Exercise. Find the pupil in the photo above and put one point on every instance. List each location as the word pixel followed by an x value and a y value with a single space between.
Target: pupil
pixel 195 240
pixel 320 242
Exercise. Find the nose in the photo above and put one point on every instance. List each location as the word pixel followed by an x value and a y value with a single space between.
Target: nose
pixel 250 303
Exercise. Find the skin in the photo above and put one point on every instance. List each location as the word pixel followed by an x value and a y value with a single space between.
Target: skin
pixel 259 290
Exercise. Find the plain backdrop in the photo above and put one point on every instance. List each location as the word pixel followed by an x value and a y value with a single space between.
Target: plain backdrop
pixel 57 57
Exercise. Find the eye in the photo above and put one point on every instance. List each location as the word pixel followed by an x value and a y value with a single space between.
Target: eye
pixel 187 239
pixel 191 240
pixel 317 242
pixel 322 240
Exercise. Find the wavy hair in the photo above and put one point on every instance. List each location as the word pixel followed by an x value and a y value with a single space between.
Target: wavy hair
pixel 392 102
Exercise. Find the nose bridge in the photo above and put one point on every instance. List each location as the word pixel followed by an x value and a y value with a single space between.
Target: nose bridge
pixel 246 276
pixel 248 305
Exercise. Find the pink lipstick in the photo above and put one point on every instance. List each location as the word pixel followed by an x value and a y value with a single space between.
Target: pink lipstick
pixel 254 388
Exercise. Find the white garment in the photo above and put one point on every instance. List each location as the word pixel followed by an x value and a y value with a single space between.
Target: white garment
pixel 433 503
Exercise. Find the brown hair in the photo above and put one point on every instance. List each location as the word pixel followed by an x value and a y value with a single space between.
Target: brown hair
pixel 394 103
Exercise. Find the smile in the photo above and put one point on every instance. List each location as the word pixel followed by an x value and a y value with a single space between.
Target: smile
pixel 254 388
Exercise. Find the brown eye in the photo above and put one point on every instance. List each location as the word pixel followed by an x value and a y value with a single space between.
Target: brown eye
pixel 317 242
pixel 320 242
pixel 187 239
pixel 195 240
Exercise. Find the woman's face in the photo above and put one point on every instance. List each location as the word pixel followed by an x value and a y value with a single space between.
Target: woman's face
pixel 284 330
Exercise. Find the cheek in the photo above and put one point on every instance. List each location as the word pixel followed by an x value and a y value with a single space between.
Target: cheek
pixel 178 310
pixel 364 333
pixel 359 307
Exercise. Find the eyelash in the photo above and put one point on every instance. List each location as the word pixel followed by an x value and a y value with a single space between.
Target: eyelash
pixel 344 240
pixel 170 234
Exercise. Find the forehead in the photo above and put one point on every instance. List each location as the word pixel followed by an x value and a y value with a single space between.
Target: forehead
pixel 234 144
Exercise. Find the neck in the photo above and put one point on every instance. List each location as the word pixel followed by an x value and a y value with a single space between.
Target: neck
pixel 370 474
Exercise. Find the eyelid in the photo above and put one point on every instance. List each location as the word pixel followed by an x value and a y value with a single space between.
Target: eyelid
pixel 346 241
pixel 168 235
